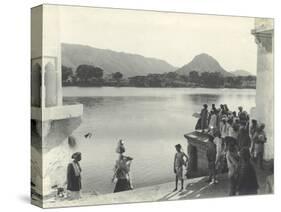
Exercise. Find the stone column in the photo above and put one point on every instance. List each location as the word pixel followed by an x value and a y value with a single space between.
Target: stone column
pixel 264 35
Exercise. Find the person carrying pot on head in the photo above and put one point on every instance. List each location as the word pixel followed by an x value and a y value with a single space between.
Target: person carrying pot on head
pixel 122 170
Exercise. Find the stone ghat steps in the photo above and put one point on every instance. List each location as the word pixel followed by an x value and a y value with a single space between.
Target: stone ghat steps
pixel 194 189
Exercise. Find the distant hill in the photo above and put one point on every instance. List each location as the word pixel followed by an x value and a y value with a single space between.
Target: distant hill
pixel 110 61
pixel 203 63
pixel 242 73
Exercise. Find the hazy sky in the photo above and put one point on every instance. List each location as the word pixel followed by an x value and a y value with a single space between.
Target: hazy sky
pixel 173 37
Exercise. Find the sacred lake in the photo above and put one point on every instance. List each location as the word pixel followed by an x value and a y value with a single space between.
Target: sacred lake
pixel 149 120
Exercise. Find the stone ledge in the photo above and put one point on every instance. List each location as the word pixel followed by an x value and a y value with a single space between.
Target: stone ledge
pixel 57 112
pixel 195 188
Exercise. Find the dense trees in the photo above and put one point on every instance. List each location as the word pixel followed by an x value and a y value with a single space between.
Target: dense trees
pixel 194 77
pixel 137 81
pixel 67 73
pixel 87 75
pixel 212 80
pixel 117 76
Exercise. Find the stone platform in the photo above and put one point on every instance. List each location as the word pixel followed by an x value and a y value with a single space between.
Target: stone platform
pixel 195 188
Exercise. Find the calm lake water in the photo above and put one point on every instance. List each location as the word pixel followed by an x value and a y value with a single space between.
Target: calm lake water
pixel 150 120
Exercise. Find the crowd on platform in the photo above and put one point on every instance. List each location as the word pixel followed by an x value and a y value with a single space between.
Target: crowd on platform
pixel 234 143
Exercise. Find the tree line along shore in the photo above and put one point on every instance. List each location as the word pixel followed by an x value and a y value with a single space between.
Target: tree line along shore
pixel 91 76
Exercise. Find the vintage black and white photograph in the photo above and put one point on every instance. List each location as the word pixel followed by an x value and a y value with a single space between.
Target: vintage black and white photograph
pixel 133 106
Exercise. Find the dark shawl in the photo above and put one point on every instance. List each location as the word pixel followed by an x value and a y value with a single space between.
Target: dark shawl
pixel 204 118
pixel 247 179
pixel 244 139
pixel 211 152
pixel 73 182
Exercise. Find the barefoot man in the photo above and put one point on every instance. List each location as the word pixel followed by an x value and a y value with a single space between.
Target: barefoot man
pixel 179 162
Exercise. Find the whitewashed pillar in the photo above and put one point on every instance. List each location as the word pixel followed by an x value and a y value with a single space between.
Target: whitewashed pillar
pixel 264 35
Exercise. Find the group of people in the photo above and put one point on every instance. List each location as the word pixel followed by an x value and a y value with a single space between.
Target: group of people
pixel 121 176
pixel 233 143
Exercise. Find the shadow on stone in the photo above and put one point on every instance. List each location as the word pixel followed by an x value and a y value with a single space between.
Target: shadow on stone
pixel 168 196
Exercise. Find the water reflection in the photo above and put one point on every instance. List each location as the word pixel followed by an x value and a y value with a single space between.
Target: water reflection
pixel 151 122
pixel 198 99
pixel 86 101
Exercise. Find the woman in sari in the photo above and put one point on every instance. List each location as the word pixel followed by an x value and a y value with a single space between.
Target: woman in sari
pixel 121 174
pixel 122 169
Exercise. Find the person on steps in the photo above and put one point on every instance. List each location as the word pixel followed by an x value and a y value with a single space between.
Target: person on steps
pixel 179 162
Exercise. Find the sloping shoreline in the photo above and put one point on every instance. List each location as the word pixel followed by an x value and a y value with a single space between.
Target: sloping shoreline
pixel 195 188
pixel 145 194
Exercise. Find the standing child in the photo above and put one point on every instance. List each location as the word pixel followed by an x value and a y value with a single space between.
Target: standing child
pixel 220 152
pixel 179 162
